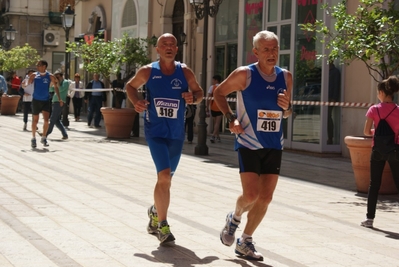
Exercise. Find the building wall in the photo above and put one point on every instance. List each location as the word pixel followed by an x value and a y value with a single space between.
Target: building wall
pixel 31 19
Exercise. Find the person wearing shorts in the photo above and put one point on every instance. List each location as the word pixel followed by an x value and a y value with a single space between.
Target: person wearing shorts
pixel 167 93
pixel 263 100
pixel 40 99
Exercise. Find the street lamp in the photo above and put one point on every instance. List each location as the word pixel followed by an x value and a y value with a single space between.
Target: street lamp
pixel 9 37
pixel 183 38
pixel 67 23
pixel 202 9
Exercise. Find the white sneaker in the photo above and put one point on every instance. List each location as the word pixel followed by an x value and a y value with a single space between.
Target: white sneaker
pixel 227 236
pixel 247 249
pixel 367 223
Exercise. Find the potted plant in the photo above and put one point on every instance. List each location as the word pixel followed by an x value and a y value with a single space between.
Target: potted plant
pixel 365 31
pixel 14 59
pixel 110 57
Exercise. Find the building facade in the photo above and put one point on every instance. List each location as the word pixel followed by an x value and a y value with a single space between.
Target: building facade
pixel 313 128
pixel 39 24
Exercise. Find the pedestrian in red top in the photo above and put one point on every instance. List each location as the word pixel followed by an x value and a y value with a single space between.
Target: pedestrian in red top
pixel 15 84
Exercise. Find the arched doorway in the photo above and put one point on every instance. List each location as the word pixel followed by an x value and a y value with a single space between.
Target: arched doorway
pixel 178 26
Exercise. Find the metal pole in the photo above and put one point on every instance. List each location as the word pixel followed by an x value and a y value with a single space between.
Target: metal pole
pixel 202 148
pixel 65 109
pixel 66 54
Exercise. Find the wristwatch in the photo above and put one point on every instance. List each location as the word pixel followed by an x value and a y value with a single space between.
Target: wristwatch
pixel 289 107
pixel 230 117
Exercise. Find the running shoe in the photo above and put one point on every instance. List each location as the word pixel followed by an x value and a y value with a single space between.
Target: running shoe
pixel 33 143
pixel 212 139
pixel 367 223
pixel 44 141
pixel 152 227
pixel 227 236
pixel 247 249
pixel 164 234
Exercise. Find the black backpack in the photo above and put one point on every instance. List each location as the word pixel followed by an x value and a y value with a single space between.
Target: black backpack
pixel 384 136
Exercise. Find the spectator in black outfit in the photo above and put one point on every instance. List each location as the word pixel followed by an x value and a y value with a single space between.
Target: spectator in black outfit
pixel 334 90
pixel 118 93
pixel 189 124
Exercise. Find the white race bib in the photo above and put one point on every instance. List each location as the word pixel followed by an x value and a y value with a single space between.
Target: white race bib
pixel 167 107
pixel 269 120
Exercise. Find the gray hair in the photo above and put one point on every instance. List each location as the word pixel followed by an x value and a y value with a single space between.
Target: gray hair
pixel 266 35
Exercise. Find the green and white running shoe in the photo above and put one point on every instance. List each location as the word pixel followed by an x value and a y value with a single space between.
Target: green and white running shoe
pixel 164 234
pixel 152 227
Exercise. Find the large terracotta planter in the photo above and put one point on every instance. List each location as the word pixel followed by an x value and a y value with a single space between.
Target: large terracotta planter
pixel 9 104
pixel 360 152
pixel 118 122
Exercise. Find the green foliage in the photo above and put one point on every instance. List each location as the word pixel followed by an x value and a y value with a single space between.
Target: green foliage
pixel 18 58
pixel 135 51
pixel 110 57
pixel 370 35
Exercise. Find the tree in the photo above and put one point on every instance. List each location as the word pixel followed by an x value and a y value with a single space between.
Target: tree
pixel 18 58
pixel 370 35
pixel 109 57
pixel 135 51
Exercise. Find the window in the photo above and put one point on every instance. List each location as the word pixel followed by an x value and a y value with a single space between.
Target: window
pixel 129 17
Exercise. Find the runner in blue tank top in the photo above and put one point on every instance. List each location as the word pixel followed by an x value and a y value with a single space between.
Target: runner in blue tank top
pixel 170 86
pixel 263 100
pixel 41 99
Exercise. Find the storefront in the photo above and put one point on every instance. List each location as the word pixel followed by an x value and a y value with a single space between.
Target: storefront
pixel 315 128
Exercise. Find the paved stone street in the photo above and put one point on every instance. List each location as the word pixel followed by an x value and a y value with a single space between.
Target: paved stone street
pixel 83 202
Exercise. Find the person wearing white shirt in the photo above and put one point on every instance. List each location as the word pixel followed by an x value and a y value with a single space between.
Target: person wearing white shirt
pixel 76 96
pixel 26 99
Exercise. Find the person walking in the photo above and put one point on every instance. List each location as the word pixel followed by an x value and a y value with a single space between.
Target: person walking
pixel 3 85
pixel 95 100
pixel 55 118
pixel 189 125
pixel 389 111
pixel 263 100
pixel 167 93
pixel 334 91
pixel 215 111
pixel 77 96
pixel 15 83
pixel 26 99
pixel 40 99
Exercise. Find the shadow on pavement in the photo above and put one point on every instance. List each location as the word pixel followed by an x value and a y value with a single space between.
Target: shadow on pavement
pixel 388 234
pixel 177 255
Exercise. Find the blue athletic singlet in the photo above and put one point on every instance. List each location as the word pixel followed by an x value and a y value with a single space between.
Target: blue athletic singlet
pixel 165 114
pixel 258 112
pixel 41 86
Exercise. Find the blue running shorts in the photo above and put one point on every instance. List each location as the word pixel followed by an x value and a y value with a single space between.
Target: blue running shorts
pixel 165 153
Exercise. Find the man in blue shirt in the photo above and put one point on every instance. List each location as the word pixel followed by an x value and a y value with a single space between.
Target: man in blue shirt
pixel 170 85
pixel 95 99
pixel 40 101
pixel 3 85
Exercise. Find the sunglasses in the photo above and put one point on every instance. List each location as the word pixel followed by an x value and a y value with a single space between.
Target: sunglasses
pixel 39 65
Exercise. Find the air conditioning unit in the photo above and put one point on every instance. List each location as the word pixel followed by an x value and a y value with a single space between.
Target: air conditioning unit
pixel 51 38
